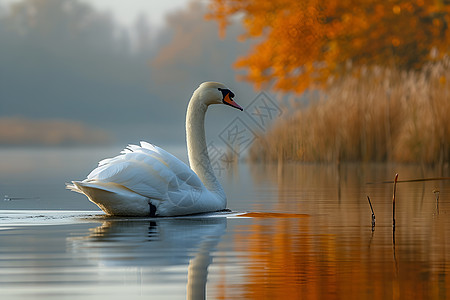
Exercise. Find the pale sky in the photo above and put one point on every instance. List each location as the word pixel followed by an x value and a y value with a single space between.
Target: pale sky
pixel 126 11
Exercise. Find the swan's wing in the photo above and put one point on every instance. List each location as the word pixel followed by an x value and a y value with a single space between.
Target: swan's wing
pixel 183 171
pixel 147 170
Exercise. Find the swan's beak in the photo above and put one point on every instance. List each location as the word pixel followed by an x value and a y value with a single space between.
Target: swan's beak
pixel 228 101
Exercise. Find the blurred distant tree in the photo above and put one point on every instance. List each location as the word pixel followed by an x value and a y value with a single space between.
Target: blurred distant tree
pixel 58 57
pixel 302 43
pixel 194 53
pixel 143 31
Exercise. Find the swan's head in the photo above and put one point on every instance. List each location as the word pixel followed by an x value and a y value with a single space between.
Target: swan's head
pixel 216 93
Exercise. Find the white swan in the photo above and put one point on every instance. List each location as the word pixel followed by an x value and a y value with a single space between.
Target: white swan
pixel 146 180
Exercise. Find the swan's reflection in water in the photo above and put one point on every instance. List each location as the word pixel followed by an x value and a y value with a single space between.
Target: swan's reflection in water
pixel 156 246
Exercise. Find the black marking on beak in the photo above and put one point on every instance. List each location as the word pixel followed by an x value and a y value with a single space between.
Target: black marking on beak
pixel 226 92
pixel 228 98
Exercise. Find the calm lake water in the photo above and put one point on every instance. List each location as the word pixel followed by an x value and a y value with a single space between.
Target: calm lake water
pixel 301 231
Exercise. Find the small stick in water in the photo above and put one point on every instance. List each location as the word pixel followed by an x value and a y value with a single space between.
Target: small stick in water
pixel 393 202
pixel 8 198
pixel 436 194
pixel 373 214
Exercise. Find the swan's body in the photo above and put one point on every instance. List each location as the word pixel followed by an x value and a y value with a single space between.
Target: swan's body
pixel 146 180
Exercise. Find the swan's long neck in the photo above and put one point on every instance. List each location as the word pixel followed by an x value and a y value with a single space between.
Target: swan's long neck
pixel 196 143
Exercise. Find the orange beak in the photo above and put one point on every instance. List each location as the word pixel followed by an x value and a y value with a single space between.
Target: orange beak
pixel 227 100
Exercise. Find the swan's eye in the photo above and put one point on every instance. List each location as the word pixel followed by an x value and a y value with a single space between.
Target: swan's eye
pixel 226 92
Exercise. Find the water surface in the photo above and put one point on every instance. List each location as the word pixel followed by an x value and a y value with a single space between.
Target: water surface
pixel 308 234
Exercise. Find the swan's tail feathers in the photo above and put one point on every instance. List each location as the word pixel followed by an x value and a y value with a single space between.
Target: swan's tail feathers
pixel 113 198
pixel 81 186
pixel 74 187
pixel 90 188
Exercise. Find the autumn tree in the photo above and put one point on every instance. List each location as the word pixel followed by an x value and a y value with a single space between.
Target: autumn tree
pixel 306 42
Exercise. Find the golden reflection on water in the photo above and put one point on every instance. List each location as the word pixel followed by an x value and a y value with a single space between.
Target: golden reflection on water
pixel 321 245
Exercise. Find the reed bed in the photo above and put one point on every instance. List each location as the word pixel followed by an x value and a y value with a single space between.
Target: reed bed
pixel 373 114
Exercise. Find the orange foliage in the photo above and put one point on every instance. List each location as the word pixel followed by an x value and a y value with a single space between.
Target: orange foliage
pixel 302 43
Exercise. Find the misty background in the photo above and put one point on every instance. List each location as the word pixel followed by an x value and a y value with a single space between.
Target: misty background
pixel 71 74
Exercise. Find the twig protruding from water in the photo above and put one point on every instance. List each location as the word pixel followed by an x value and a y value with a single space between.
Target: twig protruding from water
pixel 393 202
pixel 413 180
pixel 373 214
pixel 8 198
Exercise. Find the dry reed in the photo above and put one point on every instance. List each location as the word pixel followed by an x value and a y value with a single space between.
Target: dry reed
pixel 374 114
pixel 393 201
pixel 373 214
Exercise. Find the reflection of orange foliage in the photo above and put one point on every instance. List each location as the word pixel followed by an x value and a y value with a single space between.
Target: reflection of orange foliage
pixel 305 42
pixel 283 261
pixel 283 264
pixel 332 254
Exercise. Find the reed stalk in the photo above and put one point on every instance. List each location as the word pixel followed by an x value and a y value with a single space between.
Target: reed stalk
pixel 373 214
pixel 393 202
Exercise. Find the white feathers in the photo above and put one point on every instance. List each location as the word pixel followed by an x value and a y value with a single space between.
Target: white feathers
pixel 127 183
pixel 146 170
